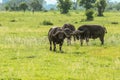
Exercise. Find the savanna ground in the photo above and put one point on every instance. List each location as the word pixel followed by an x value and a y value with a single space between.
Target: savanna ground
pixel 25 55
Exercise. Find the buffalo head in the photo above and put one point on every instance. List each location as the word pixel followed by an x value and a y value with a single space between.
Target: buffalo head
pixel 68 32
pixel 61 35
pixel 77 34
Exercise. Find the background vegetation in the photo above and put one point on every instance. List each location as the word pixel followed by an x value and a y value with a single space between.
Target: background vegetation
pixel 25 55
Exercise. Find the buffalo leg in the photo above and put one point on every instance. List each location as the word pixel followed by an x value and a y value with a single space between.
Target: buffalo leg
pixel 81 41
pixel 74 38
pixel 60 46
pixel 54 46
pixel 102 40
pixel 50 46
pixel 87 40
pixel 69 41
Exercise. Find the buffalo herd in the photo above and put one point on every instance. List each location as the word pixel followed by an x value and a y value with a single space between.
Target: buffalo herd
pixel 56 35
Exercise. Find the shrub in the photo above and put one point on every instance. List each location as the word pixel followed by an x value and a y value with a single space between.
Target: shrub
pixel 114 22
pixel 76 22
pixel 89 13
pixel 13 20
pixel 47 22
pixel 45 10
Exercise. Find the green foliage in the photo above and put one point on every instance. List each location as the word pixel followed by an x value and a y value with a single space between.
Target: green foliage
pixel 13 20
pixel 101 4
pixel 23 6
pixel 114 23
pixel 45 22
pixel 36 5
pixel 117 6
pixel 16 5
pixel 75 4
pixel 89 13
pixel 87 4
pixel 113 6
pixel 6 7
pixel 64 6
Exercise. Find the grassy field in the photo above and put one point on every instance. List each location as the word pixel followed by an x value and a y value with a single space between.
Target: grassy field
pixel 25 55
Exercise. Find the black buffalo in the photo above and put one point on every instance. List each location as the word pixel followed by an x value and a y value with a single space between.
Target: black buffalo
pixel 85 32
pixel 70 31
pixel 56 36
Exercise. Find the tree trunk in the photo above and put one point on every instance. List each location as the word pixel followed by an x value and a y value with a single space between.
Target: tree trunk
pixel 33 11
pixel 100 12
pixel 24 10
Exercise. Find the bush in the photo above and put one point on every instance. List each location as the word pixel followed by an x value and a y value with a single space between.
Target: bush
pixel 114 22
pixel 47 22
pixel 45 10
pixel 13 20
pixel 89 13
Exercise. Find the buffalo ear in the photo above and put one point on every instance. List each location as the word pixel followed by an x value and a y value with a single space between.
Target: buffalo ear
pixel 105 29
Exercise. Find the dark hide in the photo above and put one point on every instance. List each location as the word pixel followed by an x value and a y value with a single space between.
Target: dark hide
pixel 56 36
pixel 70 29
pixel 91 31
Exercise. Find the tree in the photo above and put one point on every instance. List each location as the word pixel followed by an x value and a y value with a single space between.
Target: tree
pixel 87 4
pixel 14 4
pixel 89 14
pixel 6 7
pixel 75 4
pixel 23 6
pixel 36 5
pixel 117 6
pixel 101 4
pixel 64 6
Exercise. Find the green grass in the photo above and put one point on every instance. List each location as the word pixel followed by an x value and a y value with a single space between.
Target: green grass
pixel 25 55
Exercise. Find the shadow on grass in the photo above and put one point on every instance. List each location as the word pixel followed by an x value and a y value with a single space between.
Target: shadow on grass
pixel 58 51
pixel 10 79
pixel 71 79
pixel 66 52
pixel 28 57
pixel 79 53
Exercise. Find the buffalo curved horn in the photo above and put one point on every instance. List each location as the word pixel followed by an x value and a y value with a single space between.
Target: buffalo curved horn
pixel 78 32
pixel 56 33
pixel 65 34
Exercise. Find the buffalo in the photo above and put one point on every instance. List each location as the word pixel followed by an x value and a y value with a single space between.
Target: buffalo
pixel 57 35
pixel 85 32
pixel 71 30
